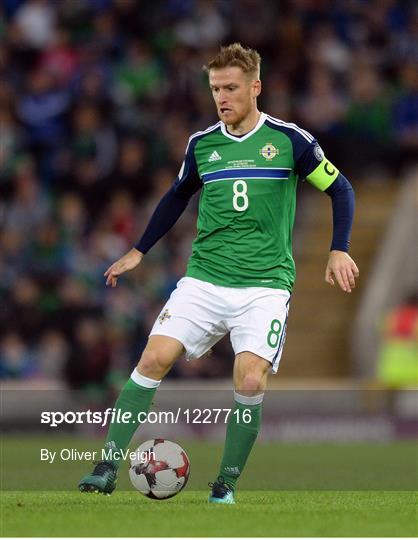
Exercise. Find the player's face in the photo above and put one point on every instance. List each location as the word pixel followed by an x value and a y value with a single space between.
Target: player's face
pixel 234 92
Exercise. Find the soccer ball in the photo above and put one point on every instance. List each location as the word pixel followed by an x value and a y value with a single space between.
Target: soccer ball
pixel 160 469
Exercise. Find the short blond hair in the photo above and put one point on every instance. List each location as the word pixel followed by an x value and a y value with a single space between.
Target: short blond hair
pixel 235 55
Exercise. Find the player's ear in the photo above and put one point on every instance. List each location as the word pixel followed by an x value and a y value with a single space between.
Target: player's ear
pixel 256 88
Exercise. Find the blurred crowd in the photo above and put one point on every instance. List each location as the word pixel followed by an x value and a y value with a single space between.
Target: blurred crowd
pixel 97 101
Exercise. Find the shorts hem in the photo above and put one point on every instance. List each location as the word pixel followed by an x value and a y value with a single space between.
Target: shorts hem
pixel 274 366
pixel 190 354
pixel 167 334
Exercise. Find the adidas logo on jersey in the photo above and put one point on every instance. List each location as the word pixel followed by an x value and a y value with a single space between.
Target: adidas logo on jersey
pixel 214 156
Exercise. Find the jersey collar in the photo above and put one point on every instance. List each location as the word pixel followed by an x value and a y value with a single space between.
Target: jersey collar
pixel 260 122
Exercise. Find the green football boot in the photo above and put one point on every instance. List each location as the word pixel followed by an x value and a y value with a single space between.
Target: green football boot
pixel 221 493
pixel 101 480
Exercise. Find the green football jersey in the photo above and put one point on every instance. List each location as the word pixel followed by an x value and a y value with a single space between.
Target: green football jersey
pixel 248 200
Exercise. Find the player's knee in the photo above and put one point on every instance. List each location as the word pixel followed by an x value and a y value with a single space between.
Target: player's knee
pixel 152 365
pixel 251 383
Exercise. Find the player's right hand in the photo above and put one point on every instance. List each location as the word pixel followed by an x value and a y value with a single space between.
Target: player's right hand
pixel 341 267
pixel 124 264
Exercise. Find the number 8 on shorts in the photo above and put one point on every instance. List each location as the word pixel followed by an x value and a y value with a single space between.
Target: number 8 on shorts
pixel 273 336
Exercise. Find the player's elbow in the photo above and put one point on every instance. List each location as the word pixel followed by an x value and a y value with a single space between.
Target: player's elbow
pixel 340 185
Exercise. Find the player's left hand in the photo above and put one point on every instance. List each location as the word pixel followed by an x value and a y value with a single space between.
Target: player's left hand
pixel 343 269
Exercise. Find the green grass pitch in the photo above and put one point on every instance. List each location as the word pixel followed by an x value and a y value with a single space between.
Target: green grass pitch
pixel 287 513
pixel 322 492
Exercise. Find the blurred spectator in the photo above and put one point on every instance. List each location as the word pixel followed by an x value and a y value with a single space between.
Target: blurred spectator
pixel 328 50
pixel 94 139
pixel 369 113
pixel 140 76
pixel 26 313
pixel 322 106
pixel 60 58
pixel 368 119
pixel 89 360
pixel 47 253
pixel 107 36
pixel 29 207
pixel 403 44
pixel 121 217
pixel 202 27
pixel 13 251
pixel 71 219
pixel 35 23
pixel 243 27
pixel 279 102
pixel 11 141
pixel 16 359
pixel 92 87
pixel 398 360
pixel 52 354
pixel 42 110
pixel 131 172
pixel 93 78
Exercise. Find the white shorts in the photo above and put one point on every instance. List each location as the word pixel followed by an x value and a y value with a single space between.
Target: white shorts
pixel 199 314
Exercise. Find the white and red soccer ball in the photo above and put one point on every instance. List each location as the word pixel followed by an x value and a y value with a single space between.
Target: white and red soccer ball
pixel 160 469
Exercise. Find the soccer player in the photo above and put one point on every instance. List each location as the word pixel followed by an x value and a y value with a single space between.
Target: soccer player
pixel 241 271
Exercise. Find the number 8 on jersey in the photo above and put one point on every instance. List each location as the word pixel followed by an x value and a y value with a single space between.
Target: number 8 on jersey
pixel 240 200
